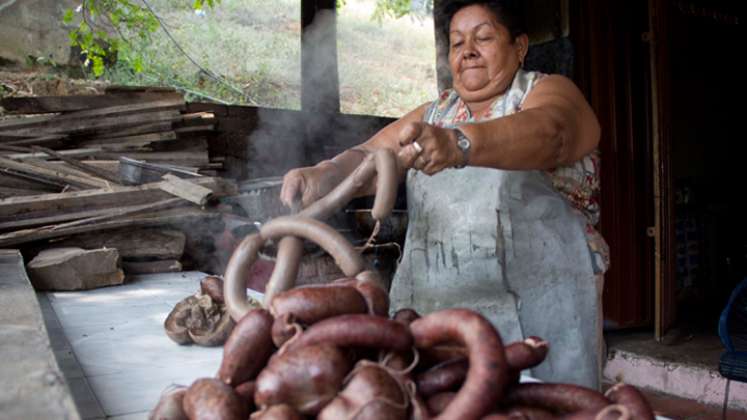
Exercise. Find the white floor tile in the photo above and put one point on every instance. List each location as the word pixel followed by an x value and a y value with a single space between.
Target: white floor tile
pixel 116 334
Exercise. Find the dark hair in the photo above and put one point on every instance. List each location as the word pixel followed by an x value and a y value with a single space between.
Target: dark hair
pixel 509 13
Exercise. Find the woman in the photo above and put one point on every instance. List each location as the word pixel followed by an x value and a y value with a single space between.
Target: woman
pixel 501 200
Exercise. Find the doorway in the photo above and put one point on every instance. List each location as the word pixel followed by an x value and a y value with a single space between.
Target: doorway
pixel 706 160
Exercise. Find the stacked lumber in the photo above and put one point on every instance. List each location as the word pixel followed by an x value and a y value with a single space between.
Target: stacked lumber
pixel 95 185
pixel 61 143
pixel 25 219
pixel 142 228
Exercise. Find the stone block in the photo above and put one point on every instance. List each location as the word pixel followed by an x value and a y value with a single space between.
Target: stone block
pixel 75 269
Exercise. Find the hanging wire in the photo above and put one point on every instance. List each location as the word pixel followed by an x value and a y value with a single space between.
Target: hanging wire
pixel 212 75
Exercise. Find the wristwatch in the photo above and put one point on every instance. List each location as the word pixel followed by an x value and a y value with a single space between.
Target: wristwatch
pixel 464 144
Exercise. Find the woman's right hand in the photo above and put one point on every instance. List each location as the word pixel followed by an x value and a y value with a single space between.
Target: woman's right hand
pixel 306 185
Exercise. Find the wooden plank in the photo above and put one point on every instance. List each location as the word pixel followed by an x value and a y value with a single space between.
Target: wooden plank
pixel 69 171
pixel 41 181
pixel 47 204
pixel 11 136
pixel 25 223
pixel 129 90
pixel 10 148
pixel 10 181
pixel 180 158
pixel 52 140
pixel 14 192
pixel 184 217
pixel 52 174
pixel 54 104
pixel 155 127
pixel 188 144
pixel 109 165
pixel 96 125
pixel 97 172
pixel 187 190
pixel 70 153
pixel 195 129
pixel 47 121
pixel 197 118
pixel 141 139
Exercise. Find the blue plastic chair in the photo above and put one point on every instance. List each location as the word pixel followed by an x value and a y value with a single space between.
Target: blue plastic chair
pixel 732 329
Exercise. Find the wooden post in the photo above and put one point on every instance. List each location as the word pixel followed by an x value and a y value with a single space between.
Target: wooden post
pixel 320 86
pixel 440 23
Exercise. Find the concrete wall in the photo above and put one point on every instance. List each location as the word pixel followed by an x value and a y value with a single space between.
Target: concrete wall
pixel 34 27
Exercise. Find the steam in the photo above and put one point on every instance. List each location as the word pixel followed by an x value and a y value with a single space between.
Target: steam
pixel 285 139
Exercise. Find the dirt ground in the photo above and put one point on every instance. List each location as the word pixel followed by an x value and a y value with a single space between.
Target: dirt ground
pixel 17 83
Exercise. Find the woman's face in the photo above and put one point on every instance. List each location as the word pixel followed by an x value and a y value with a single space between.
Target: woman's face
pixel 482 56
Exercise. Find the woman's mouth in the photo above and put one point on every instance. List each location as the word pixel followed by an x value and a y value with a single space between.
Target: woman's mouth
pixel 471 68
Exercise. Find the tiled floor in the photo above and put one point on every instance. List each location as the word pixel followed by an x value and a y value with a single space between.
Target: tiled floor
pixel 112 348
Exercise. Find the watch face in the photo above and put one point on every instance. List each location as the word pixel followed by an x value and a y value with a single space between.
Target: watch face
pixel 463 141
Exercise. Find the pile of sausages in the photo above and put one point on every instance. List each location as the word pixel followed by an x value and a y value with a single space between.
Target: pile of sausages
pixel 331 351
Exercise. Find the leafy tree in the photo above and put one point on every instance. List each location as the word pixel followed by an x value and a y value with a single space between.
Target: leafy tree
pixel 104 28
pixel 100 30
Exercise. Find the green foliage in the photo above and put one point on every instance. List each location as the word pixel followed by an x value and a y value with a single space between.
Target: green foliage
pixel 105 30
pixel 391 8
pixel 198 3
pixel 399 8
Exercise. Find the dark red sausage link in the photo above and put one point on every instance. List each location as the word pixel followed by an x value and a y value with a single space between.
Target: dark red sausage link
pixel 528 413
pixel 356 331
pixel 441 353
pixel 631 398
pixel 526 354
pixel 370 393
pixel 610 412
pixel 406 316
pixel 437 403
pixel 211 399
pixel 447 376
pixel 376 297
pixel 277 412
pixel 559 398
pixel 284 328
pixel 248 348
pixel 246 392
pixel 169 406
pixel 306 378
pixel 310 304
pixel 487 376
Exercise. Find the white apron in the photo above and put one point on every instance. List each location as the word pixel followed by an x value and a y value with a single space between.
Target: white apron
pixel 507 244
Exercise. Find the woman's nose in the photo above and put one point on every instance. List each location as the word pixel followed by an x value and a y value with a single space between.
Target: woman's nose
pixel 469 50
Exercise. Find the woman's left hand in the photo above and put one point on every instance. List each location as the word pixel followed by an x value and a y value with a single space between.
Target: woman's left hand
pixel 432 148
